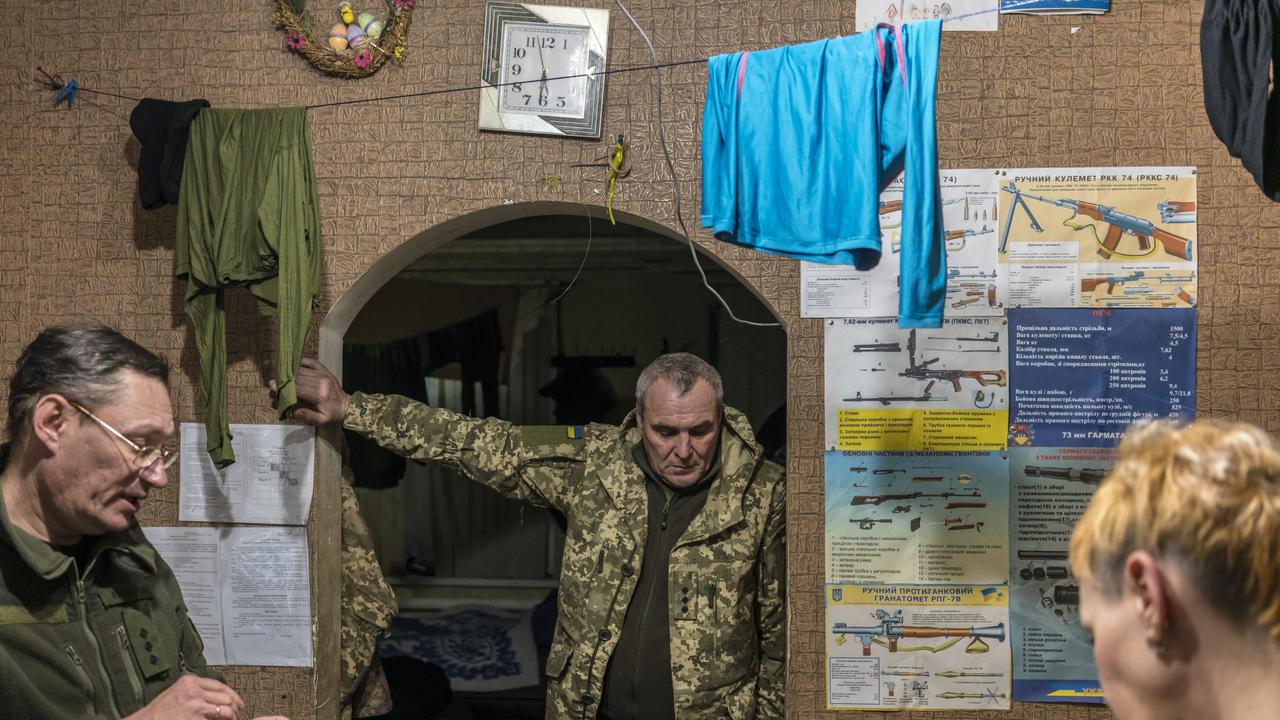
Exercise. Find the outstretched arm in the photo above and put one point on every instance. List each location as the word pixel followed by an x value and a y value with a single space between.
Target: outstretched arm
pixel 528 463
pixel 771 601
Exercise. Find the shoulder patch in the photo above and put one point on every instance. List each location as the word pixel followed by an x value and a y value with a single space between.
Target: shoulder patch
pixel 573 432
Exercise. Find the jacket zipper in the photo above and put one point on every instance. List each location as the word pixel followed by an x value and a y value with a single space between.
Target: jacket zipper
pixel 79 663
pixel 122 637
pixel 93 639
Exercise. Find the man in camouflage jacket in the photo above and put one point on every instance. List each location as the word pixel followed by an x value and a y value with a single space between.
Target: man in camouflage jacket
pixel 675 532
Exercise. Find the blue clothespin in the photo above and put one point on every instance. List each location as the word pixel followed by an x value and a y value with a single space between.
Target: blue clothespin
pixel 62 90
pixel 68 93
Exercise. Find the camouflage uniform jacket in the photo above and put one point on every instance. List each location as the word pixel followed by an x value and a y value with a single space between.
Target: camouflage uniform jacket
pixel 727 573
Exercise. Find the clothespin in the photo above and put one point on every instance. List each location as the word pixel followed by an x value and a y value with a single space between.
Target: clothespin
pixel 62 90
pixel 618 168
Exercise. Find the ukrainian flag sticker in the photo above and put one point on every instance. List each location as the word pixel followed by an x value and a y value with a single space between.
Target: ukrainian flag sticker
pixel 573 432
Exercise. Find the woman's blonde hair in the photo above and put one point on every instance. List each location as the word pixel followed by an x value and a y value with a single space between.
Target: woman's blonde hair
pixel 1205 495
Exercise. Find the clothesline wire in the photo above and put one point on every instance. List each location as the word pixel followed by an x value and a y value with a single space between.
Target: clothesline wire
pixel 656 67
pixel 1003 7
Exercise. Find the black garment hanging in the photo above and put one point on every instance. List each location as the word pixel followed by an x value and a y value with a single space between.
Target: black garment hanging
pixel 1237 55
pixel 162 128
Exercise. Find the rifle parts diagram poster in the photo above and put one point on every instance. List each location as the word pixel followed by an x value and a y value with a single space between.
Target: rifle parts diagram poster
pixel 1099 237
pixel 922 389
pixel 1049 488
pixel 899 517
pixel 969 199
pixel 917 646
pixel 1080 377
pixel 981 14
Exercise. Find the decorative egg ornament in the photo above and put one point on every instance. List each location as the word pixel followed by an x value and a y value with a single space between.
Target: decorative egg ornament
pixel 356 37
pixel 338 37
pixel 371 25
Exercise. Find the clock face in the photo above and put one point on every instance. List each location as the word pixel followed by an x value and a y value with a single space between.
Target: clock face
pixel 544 69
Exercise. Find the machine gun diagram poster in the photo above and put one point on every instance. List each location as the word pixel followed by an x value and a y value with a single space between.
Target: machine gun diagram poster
pixel 938 517
pixel 932 647
pixel 922 389
pixel 969 219
pixel 1099 237
pixel 1080 377
pixel 1049 489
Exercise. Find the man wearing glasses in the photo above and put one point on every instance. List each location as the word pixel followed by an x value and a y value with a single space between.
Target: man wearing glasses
pixel 92 622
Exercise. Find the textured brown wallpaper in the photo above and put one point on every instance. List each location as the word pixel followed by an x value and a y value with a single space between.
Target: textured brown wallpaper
pixel 1123 89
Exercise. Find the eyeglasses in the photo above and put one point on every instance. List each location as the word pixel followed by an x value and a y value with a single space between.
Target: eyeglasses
pixel 144 456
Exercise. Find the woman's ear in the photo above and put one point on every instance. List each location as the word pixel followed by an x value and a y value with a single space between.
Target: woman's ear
pixel 1147 588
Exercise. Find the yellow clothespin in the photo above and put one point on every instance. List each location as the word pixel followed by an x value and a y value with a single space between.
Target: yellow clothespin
pixel 618 168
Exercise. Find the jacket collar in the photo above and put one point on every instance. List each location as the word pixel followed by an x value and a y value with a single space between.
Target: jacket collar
pixel 740 455
pixel 49 564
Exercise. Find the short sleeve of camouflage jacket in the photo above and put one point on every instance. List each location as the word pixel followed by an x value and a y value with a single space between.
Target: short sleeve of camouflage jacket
pixel 539 464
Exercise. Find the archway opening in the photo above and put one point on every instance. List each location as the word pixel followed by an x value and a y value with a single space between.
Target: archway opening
pixel 541 314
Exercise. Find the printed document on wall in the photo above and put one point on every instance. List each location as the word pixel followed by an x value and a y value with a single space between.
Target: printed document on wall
pixel 920 389
pixel 270 483
pixel 930 647
pixel 1049 488
pixel 1081 377
pixel 969 199
pixel 1099 237
pixel 982 14
pixel 247 590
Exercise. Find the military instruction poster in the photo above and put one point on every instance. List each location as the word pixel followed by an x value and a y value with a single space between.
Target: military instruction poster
pixel 917 646
pixel 931 517
pixel 922 389
pixel 970 233
pixel 1080 377
pixel 1099 237
pixel 1049 488
pixel 955 14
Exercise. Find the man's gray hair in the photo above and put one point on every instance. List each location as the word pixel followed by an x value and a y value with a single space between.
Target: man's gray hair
pixel 683 371
pixel 80 362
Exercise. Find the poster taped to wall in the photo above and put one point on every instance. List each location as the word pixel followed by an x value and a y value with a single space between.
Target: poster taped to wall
pixel 983 14
pixel 920 389
pixel 1055 7
pixel 936 517
pixel 1099 237
pixel 1048 490
pixel 969 199
pixel 930 647
pixel 1080 377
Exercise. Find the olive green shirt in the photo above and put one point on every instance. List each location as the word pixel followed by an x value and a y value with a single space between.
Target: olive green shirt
pixel 248 215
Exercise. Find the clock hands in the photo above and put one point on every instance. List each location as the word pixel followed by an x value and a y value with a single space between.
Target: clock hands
pixel 542 84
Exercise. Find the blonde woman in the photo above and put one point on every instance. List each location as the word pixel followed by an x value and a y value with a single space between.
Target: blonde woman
pixel 1178 557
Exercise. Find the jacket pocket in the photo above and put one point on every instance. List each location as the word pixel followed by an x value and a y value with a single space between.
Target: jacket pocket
pixel 150 651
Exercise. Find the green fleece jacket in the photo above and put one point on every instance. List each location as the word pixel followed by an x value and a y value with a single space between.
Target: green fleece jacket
pixel 99 641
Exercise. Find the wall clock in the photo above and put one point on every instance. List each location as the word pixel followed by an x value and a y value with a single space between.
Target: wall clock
pixel 542 69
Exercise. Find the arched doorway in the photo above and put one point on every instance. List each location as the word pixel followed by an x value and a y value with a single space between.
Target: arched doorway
pixel 636 295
